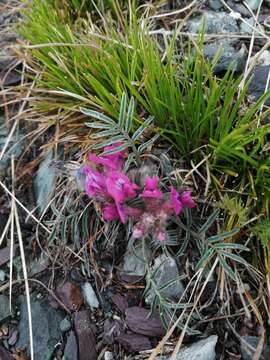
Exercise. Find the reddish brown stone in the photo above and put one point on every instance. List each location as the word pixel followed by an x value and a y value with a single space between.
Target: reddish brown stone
pixel 70 295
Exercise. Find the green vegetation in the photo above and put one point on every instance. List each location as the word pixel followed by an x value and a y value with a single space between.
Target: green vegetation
pixel 90 56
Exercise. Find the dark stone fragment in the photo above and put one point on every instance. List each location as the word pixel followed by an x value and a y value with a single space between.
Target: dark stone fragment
pixel 134 342
pixel 46 331
pixel 121 302
pixel 112 329
pixel 139 320
pixel 70 295
pixel 85 336
pixel 5 254
pixel 4 354
pixel 258 82
pixel 71 349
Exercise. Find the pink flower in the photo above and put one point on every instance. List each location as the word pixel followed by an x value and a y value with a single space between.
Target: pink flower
pixel 94 183
pixel 187 200
pixel 120 187
pixel 175 201
pixel 160 235
pixel 110 212
pixel 111 161
pixel 151 188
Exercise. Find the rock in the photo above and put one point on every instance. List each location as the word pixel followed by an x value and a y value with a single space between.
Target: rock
pixel 165 270
pixel 44 182
pixel 139 321
pixel 258 82
pixel 71 348
pixel 70 295
pixel 65 325
pixel 134 265
pixel 220 23
pixel 36 266
pixel 2 275
pixel 229 57
pixel 4 307
pixel 238 7
pixel 253 4
pixel 13 337
pixel 108 355
pixel 90 296
pixel 215 4
pixel 4 354
pixel 5 254
pixel 249 345
pixel 112 329
pixel 215 23
pixel 134 342
pixel 85 335
pixel 14 147
pixel 46 331
pixel 201 350
pixel 121 302
pixel 247 28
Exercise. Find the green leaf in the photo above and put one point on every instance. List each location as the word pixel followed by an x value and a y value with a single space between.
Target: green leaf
pixel 122 111
pixel 110 141
pixel 97 115
pixel 226 268
pixel 130 114
pixel 142 147
pixel 224 235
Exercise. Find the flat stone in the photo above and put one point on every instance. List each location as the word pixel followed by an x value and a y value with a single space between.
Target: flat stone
pixel 4 307
pixel 44 189
pixel 248 351
pixel 215 23
pixel 253 4
pixel 85 335
pixel 229 57
pixel 70 295
pixel 37 266
pixel 4 354
pixel 215 4
pixel 71 348
pixel 65 325
pixel 134 342
pixel 247 28
pixel 139 321
pixel 134 263
pixel 201 350
pixel 90 296
pixel 46 330
pixel 165 270
pixel 258 82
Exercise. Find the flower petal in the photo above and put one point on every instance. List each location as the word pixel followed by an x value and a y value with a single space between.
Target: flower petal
pixel 187 200
pixel 175 201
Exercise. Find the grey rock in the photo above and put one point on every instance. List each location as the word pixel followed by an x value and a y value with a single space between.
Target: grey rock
pixel 215 23
pixel 90 296
pixel 2 275
pixel 238 7
pixel 247 28
pixel 201 350
pixel 135 259
pixel 253 4
pixel 71 349
pixel 249 345
pixel 229 57
pixel 258 82
pixel 44 182
pixel 165 270
pixel 14 147
pixel 4 307
pixel 36 266
pixel 65 324
pixel 108 355
pixel 215 4
pixel 46 330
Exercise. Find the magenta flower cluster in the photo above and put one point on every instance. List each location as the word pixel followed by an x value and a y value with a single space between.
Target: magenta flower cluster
pixel 106 183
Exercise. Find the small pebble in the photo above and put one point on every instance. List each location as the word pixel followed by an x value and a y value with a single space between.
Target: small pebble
pixel 65 325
